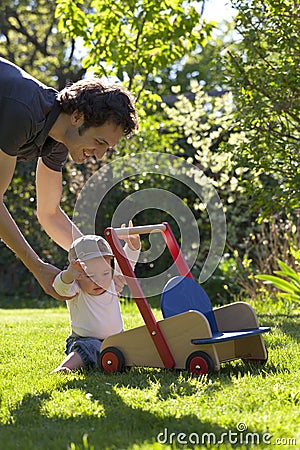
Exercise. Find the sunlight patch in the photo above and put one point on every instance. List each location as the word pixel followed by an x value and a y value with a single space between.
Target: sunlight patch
pixel 73 403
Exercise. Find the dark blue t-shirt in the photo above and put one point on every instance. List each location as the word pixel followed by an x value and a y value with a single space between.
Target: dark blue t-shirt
pixel 28 110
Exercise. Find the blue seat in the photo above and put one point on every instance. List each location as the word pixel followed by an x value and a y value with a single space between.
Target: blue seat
pixel 182 294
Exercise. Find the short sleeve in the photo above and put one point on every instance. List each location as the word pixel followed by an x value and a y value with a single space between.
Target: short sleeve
pixel 63 289
pixel 15 126
pixel 57 158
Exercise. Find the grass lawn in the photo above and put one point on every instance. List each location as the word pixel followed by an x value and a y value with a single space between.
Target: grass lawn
pixel 239 407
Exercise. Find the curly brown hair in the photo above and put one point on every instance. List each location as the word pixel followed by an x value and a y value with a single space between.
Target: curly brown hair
pixel 100 103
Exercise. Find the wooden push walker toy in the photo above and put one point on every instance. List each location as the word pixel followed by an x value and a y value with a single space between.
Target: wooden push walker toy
pixel 192 336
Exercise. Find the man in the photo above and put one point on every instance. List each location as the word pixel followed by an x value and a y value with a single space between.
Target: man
pixel 84 120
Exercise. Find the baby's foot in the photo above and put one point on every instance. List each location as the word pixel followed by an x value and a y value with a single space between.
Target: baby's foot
pixel 62 369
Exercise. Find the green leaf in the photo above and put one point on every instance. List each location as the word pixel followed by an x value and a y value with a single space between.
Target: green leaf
pixel 293 277
pixel 279 283
pixel 285 268
pixel 133 38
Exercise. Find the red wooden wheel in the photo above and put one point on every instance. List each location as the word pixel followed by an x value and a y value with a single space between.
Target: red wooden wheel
pixel 112 360
pixel 256 361
pixel 199 363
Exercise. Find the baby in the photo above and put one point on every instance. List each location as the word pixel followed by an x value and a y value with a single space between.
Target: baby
pixel 93 300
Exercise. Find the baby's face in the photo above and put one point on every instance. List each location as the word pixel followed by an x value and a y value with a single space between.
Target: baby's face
pixel 98 276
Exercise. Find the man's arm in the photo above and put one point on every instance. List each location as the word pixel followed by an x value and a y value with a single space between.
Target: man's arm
pixel 50 215
pixel 12 236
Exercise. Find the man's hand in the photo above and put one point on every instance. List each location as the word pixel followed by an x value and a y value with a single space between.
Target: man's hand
pixel 45 274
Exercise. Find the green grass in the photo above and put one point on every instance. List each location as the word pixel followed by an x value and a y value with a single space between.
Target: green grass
pixel 144 408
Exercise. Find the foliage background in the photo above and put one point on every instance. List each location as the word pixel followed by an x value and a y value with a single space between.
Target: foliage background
pixel 241 98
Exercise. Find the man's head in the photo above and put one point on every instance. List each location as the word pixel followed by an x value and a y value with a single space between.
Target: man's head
pixel 100 103
pixel 97 256
pixel 98 116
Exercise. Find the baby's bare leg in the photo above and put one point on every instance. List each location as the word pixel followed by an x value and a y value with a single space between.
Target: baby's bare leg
pixel 71 362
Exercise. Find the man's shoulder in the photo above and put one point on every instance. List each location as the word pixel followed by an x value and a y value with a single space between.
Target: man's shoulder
pixel 25 104
pixel 19 86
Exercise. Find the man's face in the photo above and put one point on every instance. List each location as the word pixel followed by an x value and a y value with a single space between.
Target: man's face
pixel 93 141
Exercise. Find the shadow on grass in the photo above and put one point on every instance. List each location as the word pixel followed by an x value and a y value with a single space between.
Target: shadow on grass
pixel 43 301
pixel 122 425
pixel 291 328
pixel 26 301
pixel 288 323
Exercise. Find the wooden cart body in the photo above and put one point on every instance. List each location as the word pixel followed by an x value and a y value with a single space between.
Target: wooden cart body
pixel 192 335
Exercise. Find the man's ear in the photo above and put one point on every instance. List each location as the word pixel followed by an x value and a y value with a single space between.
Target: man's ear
pixel 77 118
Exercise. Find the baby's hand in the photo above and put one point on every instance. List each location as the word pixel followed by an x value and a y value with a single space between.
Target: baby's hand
pixel 132 240
pixel 120 282
pixel 76 270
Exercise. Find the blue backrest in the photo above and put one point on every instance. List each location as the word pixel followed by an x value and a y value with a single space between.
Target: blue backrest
pixel 182 294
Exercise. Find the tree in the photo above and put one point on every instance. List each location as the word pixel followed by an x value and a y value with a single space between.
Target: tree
pixel 203 65
pixel 29 38
pixel 264 73
pixel 133 40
